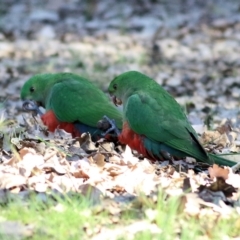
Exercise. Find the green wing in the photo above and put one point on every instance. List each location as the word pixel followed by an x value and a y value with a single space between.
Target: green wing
pixel 74 100
pixel 160 118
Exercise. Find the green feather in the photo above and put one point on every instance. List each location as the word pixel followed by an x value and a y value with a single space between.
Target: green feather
pixel 218 159
pixel 71 97
pixel 152 112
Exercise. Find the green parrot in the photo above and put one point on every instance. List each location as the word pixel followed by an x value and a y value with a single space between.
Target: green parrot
pixel 72 103
pixel 154 124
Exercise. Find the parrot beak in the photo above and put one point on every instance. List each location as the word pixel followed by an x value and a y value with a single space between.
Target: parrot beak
pixel 116 101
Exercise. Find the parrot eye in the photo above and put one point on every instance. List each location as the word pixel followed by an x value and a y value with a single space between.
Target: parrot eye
pixel 115 86
pixel 32 89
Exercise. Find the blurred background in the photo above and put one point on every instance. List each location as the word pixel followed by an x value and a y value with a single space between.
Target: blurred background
pixel 191 47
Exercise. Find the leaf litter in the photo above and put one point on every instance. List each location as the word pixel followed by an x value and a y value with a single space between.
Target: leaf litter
pixel 100 172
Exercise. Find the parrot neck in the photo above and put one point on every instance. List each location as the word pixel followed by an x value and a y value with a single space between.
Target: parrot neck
pixel 48 82
pixel 123 96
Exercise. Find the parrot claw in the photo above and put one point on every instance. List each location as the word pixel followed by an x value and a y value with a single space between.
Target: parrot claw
pixel 31 106
pixel 112 126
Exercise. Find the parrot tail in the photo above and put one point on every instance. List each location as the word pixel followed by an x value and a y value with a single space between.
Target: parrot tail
pixel 220 160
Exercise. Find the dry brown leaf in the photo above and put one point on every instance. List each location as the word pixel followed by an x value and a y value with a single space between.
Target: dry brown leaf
pixel 91 192
pixel 16 190
pixel 128 157
pixel 221 185
pixel 41 187
pixel 210 136
pixel 65 183
pixel 186 185
pixel 29 154
pixel 233 179
pixel 36 171
pixel 9 169
pixel 8 181
pixel 216 138
pixel 223 140
pixel 26 172
pixel 54 167
pixel 210 196
pixel 137 179
pixel 99 160
pixel 115 170
pixel 25 151
pixel 192 204
pixel 225 127
pixel 115 159
pixel 30 161
pixel 86 143
pixel 33 180
pixel 217 191
pixel 50 152
pixel 121 176
pixel 216 171
pixel 232 136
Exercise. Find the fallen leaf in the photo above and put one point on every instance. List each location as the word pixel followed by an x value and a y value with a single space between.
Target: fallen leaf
pixel 210 196
pixel 41 187
pixel 216 171
pixel 233 179
pixel 128 157
pixel 99 160
pixel 218 190
pixel 192 204
pixel 215 137
pixel 86 143
pixel 8 181
pixel 92 193
pixel 54 167
pixel 221 185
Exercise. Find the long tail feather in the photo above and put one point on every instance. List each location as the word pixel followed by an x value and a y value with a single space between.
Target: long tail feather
pixel 220 160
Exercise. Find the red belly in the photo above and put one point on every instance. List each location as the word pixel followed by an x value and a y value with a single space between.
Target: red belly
pixel 49 119
pixel 132 139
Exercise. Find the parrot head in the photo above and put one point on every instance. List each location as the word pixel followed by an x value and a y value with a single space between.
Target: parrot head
pixel 126 84
pixel 36 88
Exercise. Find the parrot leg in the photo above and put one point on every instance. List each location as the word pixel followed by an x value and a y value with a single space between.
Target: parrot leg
pixel 31 106
pixel 112 126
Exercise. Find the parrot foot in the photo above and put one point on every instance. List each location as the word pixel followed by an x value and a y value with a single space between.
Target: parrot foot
pixel 108 125
pixel 31 106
